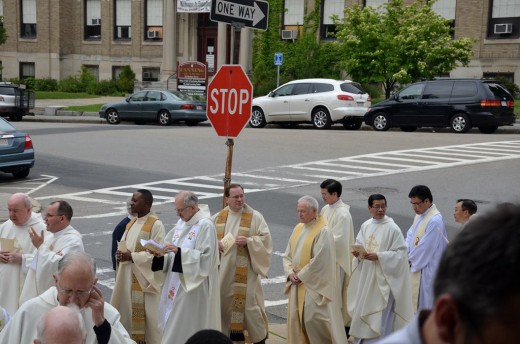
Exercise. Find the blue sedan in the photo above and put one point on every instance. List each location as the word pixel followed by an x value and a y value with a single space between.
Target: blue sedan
pixel 16 151
pixel 159 106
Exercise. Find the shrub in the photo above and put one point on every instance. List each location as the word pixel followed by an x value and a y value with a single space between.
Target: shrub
pixel 125 83
pixel 47 84
pixel 69 84
pixel 104 88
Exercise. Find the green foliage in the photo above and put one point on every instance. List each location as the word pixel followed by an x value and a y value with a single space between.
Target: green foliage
pixel 105 88
pixel 86 79
pixel 3 34
pixel 47 84
pixel 398 43
pixel 70 84
pixel 126 80
pixel 62 95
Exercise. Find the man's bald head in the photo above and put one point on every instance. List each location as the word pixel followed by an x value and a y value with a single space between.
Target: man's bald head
pixel 19 206
pixel 61 325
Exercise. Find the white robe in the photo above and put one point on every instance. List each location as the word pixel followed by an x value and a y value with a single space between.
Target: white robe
pixel 150 282
pixel 22 326
pixel 13 275
pixel 340 223
pixel 46 259
pixel 374 283
pixel 322 317
pixel 426 255
pixel 260 246
pixel 197 303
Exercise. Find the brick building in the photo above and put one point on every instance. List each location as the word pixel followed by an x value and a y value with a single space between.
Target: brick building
pixel 54 38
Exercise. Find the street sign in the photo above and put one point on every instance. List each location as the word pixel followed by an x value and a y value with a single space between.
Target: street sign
pixel 229 100
pixel 249 13
pixel 278 59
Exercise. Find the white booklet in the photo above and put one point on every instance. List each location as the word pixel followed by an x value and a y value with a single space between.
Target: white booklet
pixel 153 246
pixel 227 242
pixel 359 249
pixel 6 245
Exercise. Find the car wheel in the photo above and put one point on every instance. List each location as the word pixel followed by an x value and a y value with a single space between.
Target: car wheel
pixel 15 118
pixel 112 116
pixel 352 125
pixel 459 123
pixel 257 118
pixel 321 119
pixel 22 173
pixel 192 123
pixel 164 117
pixel 381 121
pixel 408 129
pixel 488 130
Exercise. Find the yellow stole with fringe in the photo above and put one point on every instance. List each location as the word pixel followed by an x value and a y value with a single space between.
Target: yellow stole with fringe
pixel 137 295
pixel 305 258
pixel 241 269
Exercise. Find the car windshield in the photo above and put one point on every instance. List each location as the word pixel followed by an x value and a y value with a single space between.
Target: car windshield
pixel 180 96
pixel 4 126
pixel 352 87
pixel 499 91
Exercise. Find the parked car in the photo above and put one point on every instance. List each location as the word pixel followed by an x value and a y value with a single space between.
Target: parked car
pixel 456 103
pixel 16 151
pixel 321 102
pixel 15 101
pixel 162 106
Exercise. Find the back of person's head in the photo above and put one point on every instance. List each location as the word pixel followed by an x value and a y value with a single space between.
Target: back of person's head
pixel 64 208
pixel 468 204
pixel 61 325
pixel 332 186
pixel 422 192
pixel 480 270
pixel 209 337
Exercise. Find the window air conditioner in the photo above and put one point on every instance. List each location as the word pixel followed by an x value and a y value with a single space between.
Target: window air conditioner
pixel 289 34
pixel 96 21
pixel 503 28
pixel 147 75
pixel 153 34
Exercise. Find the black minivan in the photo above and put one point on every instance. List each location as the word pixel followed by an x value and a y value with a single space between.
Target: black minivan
pixel 456 103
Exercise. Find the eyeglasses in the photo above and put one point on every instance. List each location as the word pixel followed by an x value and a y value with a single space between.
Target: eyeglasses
pixel 51 215
pixel 179 210
pixel 79 293
pixel 379 207
pixel 415 204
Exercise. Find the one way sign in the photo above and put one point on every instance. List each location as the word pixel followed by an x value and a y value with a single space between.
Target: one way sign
pixel 249 13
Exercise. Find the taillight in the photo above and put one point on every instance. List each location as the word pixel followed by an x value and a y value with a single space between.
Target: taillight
pixel 188 107
pixel 511 103
pixel 344 97
pixel 28 142
pixel 490 102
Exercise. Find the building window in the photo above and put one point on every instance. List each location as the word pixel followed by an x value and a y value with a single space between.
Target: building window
pixel 330 8
pixel 28 22
pixel 92 26
pixel 94 70
pixel 1 68
pixel 27 70
pixel 154 19
pixel 445 8
pixel 374 3
pixel 504 20
pixel 151 73
pixel 510 77
pixel 2 8
pixel 293 12
pixel 123 22
pixel 116 71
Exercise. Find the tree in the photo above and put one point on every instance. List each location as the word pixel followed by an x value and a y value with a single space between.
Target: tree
pixel 3 34
pixel 398 44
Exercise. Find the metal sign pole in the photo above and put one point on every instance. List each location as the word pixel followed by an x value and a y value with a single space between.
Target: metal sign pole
pixel 277 75
pixel 229 161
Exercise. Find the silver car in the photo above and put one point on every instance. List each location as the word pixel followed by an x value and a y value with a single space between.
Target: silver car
pixel 321 102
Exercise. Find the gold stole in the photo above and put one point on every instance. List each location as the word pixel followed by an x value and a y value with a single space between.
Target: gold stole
pixel 137 295
pixel 241 269
pixel 419 233
pixel 305 258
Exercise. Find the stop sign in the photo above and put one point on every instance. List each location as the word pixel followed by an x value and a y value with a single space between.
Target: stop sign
pixel 230 96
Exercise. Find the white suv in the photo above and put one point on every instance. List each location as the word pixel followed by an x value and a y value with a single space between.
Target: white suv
pixel 321 102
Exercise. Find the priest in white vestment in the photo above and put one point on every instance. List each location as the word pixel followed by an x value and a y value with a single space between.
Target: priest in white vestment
pixel 314 314
pixel 379 293
pixel 75 283
pixel 59 239
pixel 15 259
pixel 247 258
pixel 137 289
pixel 190 299
pixel 337 216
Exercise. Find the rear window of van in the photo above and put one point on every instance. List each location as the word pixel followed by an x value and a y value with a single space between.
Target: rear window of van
pixel 499 91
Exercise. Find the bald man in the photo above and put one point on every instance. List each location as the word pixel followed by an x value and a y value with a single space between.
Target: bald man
pixel 61 325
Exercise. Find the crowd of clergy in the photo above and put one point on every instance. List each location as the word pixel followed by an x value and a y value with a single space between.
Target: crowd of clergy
pixel 205 273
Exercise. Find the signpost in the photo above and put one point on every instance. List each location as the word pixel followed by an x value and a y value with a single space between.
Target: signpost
pixel 240 13
pixel 192 77
pixel 278 61
pixel 229 102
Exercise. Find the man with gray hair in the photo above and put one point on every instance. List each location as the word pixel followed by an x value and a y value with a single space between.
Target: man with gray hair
pixel 16 249
pixel 61 325
pixel 314 314
pixel 190 299
pixel 75 283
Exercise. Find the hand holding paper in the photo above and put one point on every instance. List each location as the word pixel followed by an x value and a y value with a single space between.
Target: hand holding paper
pixel 227 242
pixel 360 251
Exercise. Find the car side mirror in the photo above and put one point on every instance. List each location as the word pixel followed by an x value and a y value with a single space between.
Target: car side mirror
pixel 127 100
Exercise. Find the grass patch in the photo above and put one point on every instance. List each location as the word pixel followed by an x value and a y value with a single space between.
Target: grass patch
pixel 517 108
pixel 85 108
pixel 62 95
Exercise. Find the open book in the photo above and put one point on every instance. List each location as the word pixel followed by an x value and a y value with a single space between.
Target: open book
pixel 153 246
pixel 6 245
pixel 227 242
pixel 359 249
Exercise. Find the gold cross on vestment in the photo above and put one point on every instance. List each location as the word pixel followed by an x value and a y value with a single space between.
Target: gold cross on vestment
pixel 372 244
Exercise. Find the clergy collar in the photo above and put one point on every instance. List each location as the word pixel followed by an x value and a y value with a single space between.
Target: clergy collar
pixel 336 204
pixel 62 232
pixel 195 218
pixel 144 217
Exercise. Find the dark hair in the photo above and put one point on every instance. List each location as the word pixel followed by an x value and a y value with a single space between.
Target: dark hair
pixel 231 186
pixel 64 209
pixel 147 195
pixel 332 186
pixel 469 205
pixel 209 337
pixel 480 269
pixel 422 192
pixel 376 197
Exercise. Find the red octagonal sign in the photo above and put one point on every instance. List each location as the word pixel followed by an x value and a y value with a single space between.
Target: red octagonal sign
pixel 230 97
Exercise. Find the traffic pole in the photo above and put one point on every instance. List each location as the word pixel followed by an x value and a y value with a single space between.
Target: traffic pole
pixel 227 176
